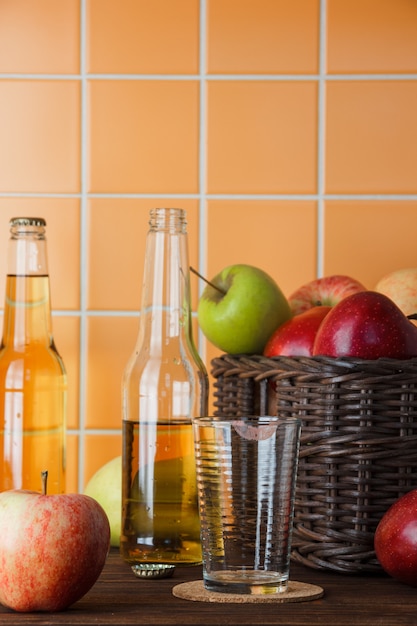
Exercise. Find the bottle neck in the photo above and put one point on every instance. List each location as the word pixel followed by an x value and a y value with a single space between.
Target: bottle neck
pixel 27 254
pixel 27 309
pixel 166 310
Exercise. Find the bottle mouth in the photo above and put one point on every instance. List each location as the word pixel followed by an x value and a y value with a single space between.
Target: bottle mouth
pixel 167 219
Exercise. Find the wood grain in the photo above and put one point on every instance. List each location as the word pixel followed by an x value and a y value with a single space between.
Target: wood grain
pixel 120 598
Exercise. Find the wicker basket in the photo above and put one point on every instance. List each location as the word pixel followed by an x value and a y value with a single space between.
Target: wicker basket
pixel 358 445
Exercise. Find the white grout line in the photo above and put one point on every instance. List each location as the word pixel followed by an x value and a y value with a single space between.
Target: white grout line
pixel 83 248
pixel 321 139
pixel 202 212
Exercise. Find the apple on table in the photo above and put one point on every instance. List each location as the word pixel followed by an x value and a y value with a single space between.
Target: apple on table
pixel 240 308
pixel 182 498
pixel 52 548
pixel 105 486
pixel 395 539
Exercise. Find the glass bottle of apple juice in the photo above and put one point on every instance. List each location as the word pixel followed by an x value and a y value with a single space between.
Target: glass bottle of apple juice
pixel 164 385
pixel 33 380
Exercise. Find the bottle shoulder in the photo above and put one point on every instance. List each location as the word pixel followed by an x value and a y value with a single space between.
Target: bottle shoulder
pixel 33 356
pixel 176 367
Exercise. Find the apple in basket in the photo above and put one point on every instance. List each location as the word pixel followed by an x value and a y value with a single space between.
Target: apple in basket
pixel 395 539
pixel 366 325
pixel 240 308
pixel 327 291
pixel 401 286
pixel 52 548
pixel 296 336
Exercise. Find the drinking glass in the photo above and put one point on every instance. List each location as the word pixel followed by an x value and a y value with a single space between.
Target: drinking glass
pixel 246 479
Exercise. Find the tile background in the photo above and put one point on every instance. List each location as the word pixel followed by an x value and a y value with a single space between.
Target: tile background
pixel 287 130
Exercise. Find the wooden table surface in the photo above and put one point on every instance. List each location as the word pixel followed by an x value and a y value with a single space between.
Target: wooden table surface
pixel 118 597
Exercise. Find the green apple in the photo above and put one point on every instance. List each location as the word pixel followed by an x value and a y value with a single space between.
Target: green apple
pixel 105 486
pixel 240 308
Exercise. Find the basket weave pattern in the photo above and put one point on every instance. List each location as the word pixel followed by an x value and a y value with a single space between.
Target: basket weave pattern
pixel 358 450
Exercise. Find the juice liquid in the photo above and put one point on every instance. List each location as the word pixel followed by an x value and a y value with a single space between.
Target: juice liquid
pixel 33 388
pixel 160 520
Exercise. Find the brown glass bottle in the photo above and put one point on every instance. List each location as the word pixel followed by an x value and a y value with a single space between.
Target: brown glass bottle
pixel 33 381
pixel 165 383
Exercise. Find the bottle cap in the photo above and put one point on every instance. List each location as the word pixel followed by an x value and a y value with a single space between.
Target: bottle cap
pixel 27 221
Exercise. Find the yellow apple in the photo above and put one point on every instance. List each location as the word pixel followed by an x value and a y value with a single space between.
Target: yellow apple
pixel 175 510
pixel 105 486
pixel 177 506
pixel 401 286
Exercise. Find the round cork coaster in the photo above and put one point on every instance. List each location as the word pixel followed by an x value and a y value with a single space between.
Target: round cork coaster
pixel 297 592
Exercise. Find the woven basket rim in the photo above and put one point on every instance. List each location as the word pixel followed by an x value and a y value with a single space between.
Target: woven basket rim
pixel 260 366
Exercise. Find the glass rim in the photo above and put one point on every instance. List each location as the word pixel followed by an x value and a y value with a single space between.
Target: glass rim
pixel 228 419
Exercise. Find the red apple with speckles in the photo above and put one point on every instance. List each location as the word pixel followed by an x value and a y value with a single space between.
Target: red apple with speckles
pixel 296 336
pixel 52 549
pixel 366 325
pixel 395 539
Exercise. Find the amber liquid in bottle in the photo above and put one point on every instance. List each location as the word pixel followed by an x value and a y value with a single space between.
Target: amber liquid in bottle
pixel 33 385
pixel 163 528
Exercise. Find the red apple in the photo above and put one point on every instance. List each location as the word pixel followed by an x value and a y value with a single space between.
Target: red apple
pixel 366 325
pixel 327 291
pixel 52 548
pixel 296 336
pixel 395 540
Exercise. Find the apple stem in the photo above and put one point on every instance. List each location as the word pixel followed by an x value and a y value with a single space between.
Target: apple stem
pixel 207 281
pixel 44 478
pixel 413 316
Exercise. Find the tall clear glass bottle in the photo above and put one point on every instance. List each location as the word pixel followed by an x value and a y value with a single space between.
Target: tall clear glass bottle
pixel 165 383
pixel 33 380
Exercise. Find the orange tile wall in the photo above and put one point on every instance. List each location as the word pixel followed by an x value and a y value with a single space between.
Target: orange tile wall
pixel 287 130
